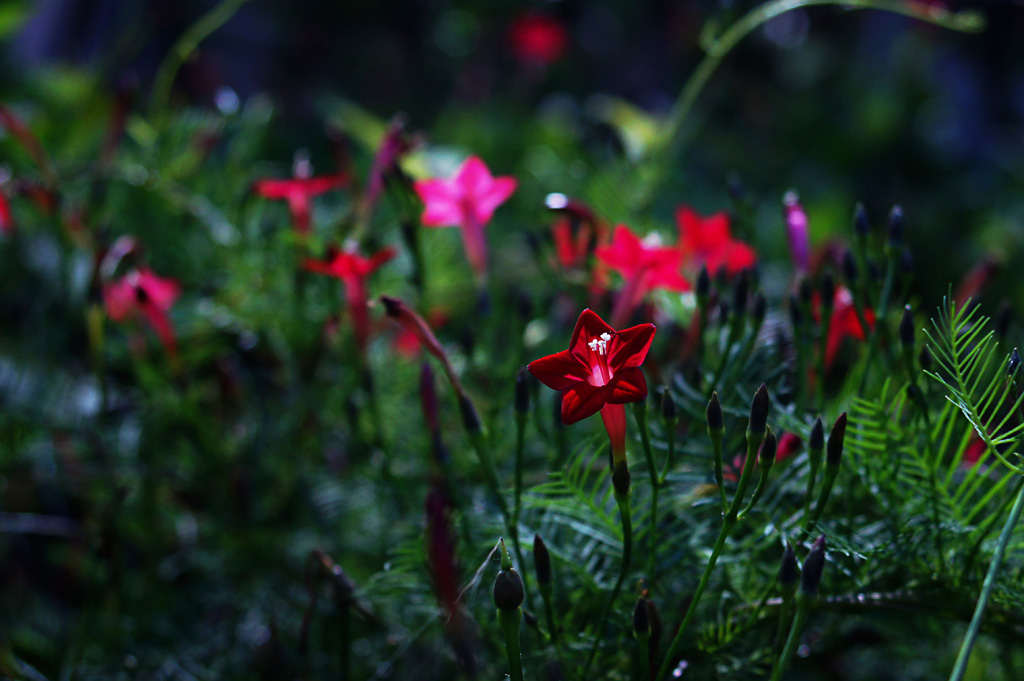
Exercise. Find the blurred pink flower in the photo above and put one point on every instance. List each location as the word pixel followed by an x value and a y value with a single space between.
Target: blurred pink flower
pixel 538 38
pixel 6 220
pixel 796 231
pixel 143 293
pixel 466 200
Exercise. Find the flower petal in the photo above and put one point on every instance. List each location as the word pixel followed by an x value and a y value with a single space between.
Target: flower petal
pixel 628 386
pixel 582 401
pixel 629 348
pixel 560 371
pixel 441 203
pixel 588 326
pixel 500 189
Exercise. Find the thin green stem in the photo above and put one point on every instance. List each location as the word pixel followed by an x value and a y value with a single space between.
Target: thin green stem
pixel 627 557
pixel 517 501
pixel 802 612
pixel 960 667
pixel 183 49
pixel 966 21
pixel 640 413
pixel 510 627
pixel 727 525
pixel 643 648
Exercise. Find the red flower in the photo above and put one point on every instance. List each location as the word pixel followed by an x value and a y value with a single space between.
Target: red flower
pixel 571 249
pixel 708 241
pixel 299 192
pixel 644 265
pixel 538 38
pixel 6 221
pixel 844 322
pixel 142 293
pixel 353 269
pixel 599 372
pixel 789 444
pixel 466 200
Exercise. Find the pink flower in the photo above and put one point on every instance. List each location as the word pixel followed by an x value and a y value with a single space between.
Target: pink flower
pixel 466 200
pixel 353 270
pixel 708 241
pixel 299 192
pixel 143 293
pixel 644 265
pixel 796 231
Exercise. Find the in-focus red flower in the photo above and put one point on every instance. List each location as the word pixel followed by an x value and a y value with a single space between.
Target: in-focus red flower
pixel 708 241
pixel 844 322
pixel 299 193
pixel 645 265
pixel 538 38
pixel 143 293
pixel 599 372
pixel 353 270
pixel 466 200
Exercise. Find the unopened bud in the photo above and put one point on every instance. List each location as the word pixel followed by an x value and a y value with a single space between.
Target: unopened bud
pixel 760 308
pixel 740 292
pixel 849 268
pixel 906 262
pixel 1014 365
pixel 924 358
pixel 834 452
pixel 541 561
pixel 907 328
pixel 816 442
pixel 813 567
pixel 470 418
pixel 861 226
pixel 668 407
pixel 766 455
pixel 641 619
pixel 789 571
pixel 796 317
pixel 896 226
pixel 758 423
pixel 716 421
pixel 508 585
pixel 703 283
pixel 522 393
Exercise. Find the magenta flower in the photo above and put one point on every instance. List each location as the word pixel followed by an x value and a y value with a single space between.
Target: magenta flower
pixel 796 231
pixel 645 265
pixel 141 293
pixel 466 200
pixel 599 372
pixel 6 220
pixel 353 269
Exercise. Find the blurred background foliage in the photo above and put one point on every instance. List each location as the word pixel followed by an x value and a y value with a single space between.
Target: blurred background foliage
pixel 181 516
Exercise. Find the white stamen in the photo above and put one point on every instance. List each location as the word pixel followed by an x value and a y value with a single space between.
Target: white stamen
pixel 600 345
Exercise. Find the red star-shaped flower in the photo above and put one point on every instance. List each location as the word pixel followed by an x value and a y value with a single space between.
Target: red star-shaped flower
pixel 601 366
pixel 843 323
pixel 645 265
pixel 466 200
pixel 299 193
pixel 353 270
pixel 708 241
pixel 143 293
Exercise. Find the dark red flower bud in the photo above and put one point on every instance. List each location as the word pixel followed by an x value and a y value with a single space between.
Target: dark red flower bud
pixel 813 567
pixel 716 421
pixel 789 571
pixel 641 619
pixel 860 220
pixel 758 422
pixel 541 560
pixel 522 392
pixel 817 438
pixel 907 328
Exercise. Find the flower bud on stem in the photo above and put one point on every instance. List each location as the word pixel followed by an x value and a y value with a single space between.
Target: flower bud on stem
pixel 716 429
pixel 833 457
pixel 508 597
pixel 642 634
pixel 806 597
pixel 668 421
pixel 756 431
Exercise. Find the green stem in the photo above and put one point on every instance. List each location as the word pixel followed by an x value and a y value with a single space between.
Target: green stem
pixel 183 49
pixel 727 525
pixel 640 412
pixel 670 434
pixel 643 647
pixel 517 502
pixel 960 667
pixel 510 627
pixel 627 557
pixel 716 447
pixel 802 610
pixel 966 21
